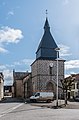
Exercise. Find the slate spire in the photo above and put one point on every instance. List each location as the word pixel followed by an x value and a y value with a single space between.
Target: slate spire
pixel 46 48
pixel 46 26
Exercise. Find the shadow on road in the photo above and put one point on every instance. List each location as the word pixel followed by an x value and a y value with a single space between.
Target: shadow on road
pixel 9 99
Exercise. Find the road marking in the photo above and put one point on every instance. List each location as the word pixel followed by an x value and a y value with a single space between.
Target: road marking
pixel 10 110
pixel 1 116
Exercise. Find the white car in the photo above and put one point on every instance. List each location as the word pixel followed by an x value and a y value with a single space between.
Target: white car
pixel 42 96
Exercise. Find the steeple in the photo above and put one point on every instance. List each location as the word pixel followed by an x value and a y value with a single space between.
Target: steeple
pixel 46 49
pixel 46 26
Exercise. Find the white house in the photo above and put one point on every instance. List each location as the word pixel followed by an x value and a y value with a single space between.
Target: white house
pixel 1 86
pixel 75 88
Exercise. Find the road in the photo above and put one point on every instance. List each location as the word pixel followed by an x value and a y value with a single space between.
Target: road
pixel 22 111
pixel 6 108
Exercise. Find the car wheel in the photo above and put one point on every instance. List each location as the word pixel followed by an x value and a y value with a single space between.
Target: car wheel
pixel 48 101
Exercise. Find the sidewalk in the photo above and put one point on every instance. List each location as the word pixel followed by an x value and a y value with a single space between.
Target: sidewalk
pixel 72 105
pixel 61 104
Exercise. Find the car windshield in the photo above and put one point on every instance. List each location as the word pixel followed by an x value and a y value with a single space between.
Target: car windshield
pixel 37 94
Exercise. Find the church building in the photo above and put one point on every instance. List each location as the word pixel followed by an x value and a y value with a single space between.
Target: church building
pixel 43 75
pixel 44 68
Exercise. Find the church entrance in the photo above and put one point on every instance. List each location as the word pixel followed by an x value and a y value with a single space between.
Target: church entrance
pixel 50 87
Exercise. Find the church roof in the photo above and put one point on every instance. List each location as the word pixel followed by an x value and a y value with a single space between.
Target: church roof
pixel 19 75
pixel 46 48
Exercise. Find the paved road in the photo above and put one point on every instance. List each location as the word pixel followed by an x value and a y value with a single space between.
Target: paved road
pixel 6 108
pixel 28 112
pixel 22 111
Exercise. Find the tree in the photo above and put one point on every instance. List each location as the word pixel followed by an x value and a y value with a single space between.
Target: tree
pixel 67 84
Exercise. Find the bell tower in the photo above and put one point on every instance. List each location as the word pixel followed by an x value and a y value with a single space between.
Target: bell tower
pixel 44 68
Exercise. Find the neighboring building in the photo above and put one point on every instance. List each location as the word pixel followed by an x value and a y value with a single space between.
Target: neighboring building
pixel 75 88
pixel 8 90
pixel 1 86
pixel 18 83
pixel 44 68
pixel 22 84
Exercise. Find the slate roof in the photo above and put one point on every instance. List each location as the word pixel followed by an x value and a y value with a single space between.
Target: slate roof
pixel 46 48
pixel 19 75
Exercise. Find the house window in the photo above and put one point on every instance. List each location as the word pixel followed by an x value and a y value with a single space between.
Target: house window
pixel 73 86
pixel 77 85
pixel 50 70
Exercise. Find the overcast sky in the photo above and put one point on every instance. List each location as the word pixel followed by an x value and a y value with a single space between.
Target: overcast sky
pixel 21 29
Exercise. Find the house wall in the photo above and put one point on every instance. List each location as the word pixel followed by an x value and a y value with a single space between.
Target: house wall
pixel 1 89
pixel 19 88
pixel 28 89
pixel 22 87
pixel 18 84
pixel 74 91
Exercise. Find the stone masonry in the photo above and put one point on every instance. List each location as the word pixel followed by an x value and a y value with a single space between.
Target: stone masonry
pixel 41 74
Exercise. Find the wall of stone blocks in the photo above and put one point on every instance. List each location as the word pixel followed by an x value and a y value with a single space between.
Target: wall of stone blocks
pixel 41 75
pixel 19 88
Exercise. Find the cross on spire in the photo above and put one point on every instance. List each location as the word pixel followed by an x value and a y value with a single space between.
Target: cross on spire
pixel 46 12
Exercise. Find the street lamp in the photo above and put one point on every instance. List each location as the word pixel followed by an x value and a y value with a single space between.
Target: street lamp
pixel 57 50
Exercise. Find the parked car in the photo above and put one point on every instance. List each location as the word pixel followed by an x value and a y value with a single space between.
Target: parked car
pixel 42 96
pixel 76 98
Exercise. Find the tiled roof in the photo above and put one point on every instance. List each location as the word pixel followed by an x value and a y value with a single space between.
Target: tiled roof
pixel 75 76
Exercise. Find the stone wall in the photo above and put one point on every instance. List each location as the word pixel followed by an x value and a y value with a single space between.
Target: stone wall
pixel 41 75
pixel 19 88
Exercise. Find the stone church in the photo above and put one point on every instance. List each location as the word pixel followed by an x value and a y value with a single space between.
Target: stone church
pixel 44 69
